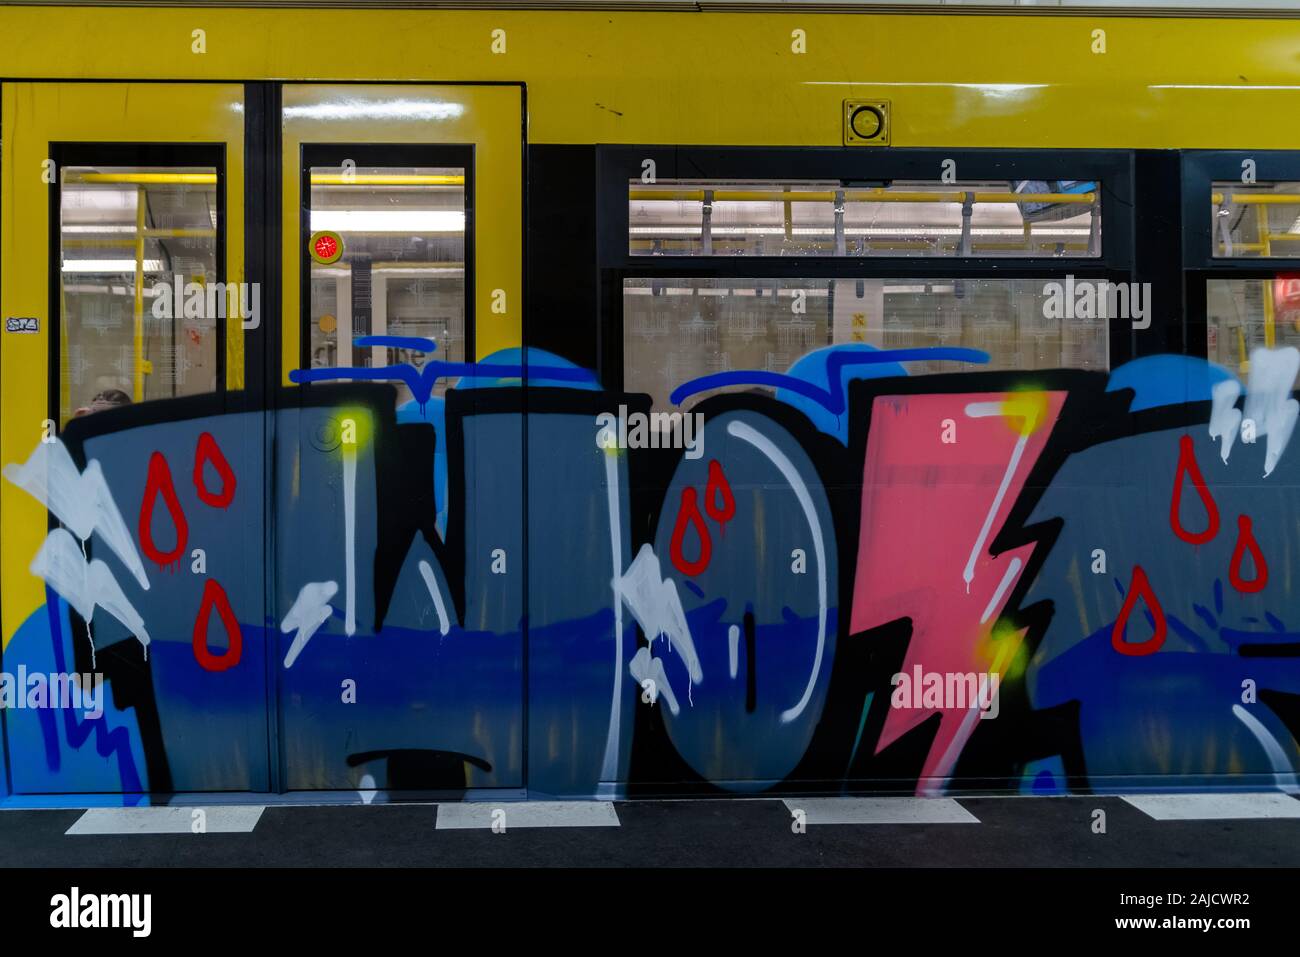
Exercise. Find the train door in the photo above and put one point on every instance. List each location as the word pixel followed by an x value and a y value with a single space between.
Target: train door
pixel 398 477
pixel 134 641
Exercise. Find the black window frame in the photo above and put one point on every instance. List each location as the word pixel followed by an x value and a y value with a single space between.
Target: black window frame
pixel 379 155
pixel 73 154
pixel 1200 170
pixel 617 166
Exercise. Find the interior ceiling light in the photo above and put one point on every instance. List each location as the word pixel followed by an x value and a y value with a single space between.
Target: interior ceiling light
pixel 1066 232
pixel 388 221
pixel 107 266
pixel 362 109
pixel 93 228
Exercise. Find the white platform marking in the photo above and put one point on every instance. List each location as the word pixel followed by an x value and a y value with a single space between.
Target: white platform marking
pixel 883 810
pixel 237 819
pixel 1213 807
pixel 522 814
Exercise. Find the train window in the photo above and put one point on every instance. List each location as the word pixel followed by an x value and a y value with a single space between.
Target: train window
pixel 387 246
pixel 676 330
pixel 1259 221
pixel 1010 219
pixel 138 255
pixel 1247 314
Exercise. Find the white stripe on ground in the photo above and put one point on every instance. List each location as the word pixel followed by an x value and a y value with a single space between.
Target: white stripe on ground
pixel 1213 807
pixel 238 819
pixel 885 810
pixel 520 814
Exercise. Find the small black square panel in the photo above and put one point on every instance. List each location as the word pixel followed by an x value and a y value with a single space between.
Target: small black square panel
pixel 866 122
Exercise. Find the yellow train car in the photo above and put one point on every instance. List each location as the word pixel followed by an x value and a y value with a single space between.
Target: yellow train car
pixel 589 402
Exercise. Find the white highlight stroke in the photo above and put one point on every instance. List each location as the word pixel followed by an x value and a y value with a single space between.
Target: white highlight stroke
pixel 80 500
pixel 310 610
pixel 937 783
pixel 61 564
pixel 1007 578
pixel 1282 770
pixel 747 433
pixel 609 766
pixel 979 410
pixel 733 649
pixel 350 536
pixel 426 572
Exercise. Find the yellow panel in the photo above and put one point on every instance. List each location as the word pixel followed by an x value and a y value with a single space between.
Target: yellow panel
pixel 489 117
pixel 33 116
pixel 733 78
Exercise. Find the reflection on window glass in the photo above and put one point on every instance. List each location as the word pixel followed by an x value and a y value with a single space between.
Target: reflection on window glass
pixel 125 235
pixel 1258 221
pixel 679 329
pixel 1247 314
pixel 1014 219
pixel 401 271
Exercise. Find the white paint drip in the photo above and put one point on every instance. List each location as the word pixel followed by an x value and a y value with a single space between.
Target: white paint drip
pixel 1282 770
pixel 977 410
pixel 80 500
pixel 1007 578
pixel 1268 403
pixel 426 572
pixel 1225 417
pixel 310 610
pixel 733 649
pixel 62 566
pixel 655 604
pixel 642 666
pixel 609 766
pixel 778 458
pixel 350 538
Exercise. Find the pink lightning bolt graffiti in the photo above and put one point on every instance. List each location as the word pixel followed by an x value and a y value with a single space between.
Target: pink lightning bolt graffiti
pixel 940 475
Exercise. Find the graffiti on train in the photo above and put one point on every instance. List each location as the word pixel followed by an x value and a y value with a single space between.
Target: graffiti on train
pixel 834 583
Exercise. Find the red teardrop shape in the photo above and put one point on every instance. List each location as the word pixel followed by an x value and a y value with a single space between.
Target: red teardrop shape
pixel 690 513
pixel 1139 586
pixel 1246 540
pixel 208 451
pixel 215 596
pixel 716 487
pixel 160 481
pixel 1187 468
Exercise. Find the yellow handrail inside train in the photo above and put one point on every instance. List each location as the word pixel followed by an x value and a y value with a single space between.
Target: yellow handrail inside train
pixel 856 196
pixel 317 179
pixel 1257 199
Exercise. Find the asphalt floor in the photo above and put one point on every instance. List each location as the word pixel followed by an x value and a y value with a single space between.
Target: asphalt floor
pixel 728 833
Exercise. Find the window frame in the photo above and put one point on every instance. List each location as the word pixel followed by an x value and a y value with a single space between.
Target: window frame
pixel 618 165
pixel 66 154
pixel 452 155
pixel 1200 170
